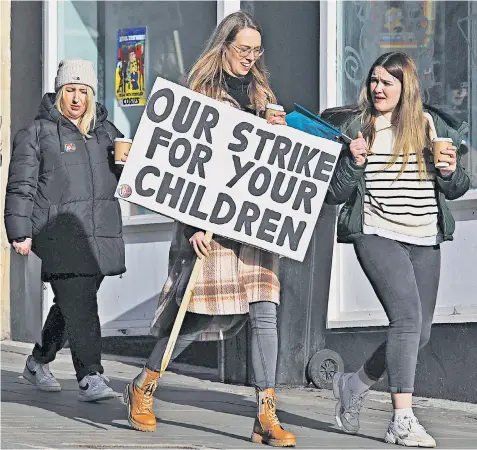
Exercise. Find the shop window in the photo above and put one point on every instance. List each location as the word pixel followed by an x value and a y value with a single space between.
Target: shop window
pixel 441 37
pixel 176 33
pixel 291 42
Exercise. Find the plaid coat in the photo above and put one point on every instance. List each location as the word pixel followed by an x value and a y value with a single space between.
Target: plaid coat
pixel 232 276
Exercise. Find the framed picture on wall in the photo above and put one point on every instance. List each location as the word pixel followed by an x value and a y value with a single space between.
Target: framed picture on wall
pixel 131 63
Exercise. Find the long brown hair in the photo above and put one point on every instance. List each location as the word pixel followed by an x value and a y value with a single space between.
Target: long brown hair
pixel 206 76
pixel 412 127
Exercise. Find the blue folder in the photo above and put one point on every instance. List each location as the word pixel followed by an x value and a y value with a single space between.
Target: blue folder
pixel 310 123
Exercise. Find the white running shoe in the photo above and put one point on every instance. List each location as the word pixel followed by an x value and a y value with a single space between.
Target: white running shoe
pixel 349 403
pixel 39 375
pixel 409 432
pixel 93 388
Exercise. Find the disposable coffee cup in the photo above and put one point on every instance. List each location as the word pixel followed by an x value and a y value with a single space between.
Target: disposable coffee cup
pixel 121 147
pixel 272 109
pixel 439 144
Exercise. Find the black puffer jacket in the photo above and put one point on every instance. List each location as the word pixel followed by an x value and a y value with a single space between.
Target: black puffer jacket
pixel 60 192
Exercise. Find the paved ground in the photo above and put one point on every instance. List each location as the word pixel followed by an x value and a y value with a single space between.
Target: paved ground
pixel 194 411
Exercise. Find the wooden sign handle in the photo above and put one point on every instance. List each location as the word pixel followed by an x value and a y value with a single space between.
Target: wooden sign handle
pixel 183 309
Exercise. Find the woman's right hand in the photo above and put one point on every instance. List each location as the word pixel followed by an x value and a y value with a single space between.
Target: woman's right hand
pixel 22 248
pixel 358 148
pixel 200 244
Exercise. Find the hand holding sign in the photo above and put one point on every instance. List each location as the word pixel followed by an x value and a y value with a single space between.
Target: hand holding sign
pixel 201 244
pixel 217 168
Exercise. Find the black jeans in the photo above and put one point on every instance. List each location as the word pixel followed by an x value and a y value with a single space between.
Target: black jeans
pixel 264 345
pixel 405 278
pixel 74 316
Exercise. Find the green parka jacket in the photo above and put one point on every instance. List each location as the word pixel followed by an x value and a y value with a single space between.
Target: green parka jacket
pixel 348 183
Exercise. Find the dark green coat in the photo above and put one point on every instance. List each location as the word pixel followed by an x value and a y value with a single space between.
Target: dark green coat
pixel 348 183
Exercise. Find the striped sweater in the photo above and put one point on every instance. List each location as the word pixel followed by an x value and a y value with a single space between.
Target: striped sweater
pixel 406 209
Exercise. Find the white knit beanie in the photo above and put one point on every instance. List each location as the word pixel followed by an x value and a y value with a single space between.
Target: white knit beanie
pixel 76 71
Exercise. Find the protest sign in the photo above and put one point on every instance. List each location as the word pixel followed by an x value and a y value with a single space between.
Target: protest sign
pixel 131 67
pixel 220 169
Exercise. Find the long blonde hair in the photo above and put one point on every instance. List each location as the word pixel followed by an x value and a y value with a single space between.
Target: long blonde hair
pixel 206 76
pixel 88 119
pixel 412 127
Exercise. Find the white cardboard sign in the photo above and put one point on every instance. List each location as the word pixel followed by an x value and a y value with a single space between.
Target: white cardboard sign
pixel 217 168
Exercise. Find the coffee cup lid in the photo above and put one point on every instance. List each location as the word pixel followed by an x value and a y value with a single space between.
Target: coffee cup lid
pixel 442 140
pixel 275 107
pixel 123 140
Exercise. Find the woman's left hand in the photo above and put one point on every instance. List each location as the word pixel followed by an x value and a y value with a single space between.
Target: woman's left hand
pixel 278 118
pixel 451 159
pixel 125 156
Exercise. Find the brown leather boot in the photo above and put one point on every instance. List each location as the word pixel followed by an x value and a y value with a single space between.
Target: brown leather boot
pixel 139 401
pixel 267 428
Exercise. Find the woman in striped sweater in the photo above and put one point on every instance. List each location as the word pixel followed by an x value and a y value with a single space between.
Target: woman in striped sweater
pixel 396 216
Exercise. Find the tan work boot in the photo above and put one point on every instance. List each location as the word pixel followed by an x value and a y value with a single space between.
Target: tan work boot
pixel 267 428
pixel 139 401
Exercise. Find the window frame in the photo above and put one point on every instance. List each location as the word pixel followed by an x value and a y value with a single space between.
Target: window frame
pixel 464 208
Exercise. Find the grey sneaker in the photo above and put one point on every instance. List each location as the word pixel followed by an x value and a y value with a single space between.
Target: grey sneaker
pixel 349 403
pixel 93 388
pixel 409 432
pixel 39 375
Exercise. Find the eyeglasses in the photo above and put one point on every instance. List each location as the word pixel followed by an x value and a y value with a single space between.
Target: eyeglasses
pixel 245 51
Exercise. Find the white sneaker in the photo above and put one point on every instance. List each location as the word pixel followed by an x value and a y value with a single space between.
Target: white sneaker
pixel 349 403
pixel 93 388
pixel 40 375
pixel 409 432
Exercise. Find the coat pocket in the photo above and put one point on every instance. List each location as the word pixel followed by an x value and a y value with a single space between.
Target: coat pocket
pixel 107 218
pixel 51 223
pixel 52 215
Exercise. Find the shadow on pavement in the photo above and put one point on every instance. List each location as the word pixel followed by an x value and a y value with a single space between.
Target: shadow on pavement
pixel 101 414
pixel 229 403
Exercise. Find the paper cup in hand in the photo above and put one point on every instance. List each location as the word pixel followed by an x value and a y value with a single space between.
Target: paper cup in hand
pixel 439 144
pixel 121 148
pixel 272 109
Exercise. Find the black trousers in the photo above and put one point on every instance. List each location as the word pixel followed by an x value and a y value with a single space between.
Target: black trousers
pixel 74 316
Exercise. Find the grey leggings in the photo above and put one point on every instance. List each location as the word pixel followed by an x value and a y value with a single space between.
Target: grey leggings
pixel 405 278
pixel 263 322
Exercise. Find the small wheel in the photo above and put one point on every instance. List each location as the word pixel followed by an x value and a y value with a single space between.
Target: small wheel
pixel 322 366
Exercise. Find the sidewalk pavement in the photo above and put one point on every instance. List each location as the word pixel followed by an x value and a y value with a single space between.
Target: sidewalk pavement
pixel 195 411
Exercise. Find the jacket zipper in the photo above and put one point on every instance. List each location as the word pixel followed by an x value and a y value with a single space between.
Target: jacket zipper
pixel 440 214
pixel 361 190
pixel 92 184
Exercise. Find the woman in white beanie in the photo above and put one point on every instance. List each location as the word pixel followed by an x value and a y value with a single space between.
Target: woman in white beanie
pixel 60 203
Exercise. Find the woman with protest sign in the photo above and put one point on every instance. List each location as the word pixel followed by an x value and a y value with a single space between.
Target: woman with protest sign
pixel 60 204
pixel 394 193
pixel 235 279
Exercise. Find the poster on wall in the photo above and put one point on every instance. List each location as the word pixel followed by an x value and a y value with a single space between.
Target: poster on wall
pixel 407 25
pixel 218 168
pixel 131 67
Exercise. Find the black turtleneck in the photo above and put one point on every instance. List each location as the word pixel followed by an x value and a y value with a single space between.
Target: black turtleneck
pixel 237 87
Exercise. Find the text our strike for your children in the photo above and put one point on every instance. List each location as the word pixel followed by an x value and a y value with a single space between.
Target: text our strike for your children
pixel 238 176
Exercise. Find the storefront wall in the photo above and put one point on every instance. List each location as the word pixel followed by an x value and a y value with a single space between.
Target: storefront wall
pixel 5 84
pixel 346 37
pixel 24 97
pixel 446 56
